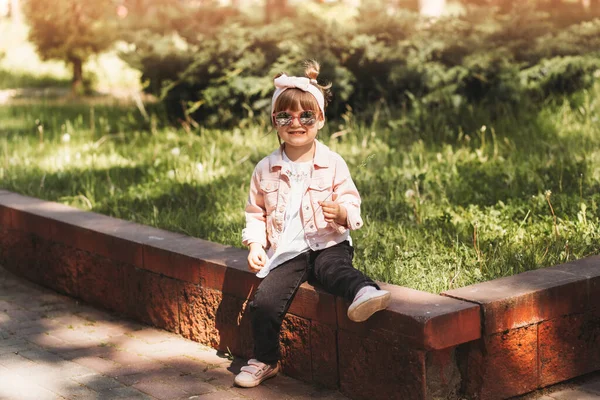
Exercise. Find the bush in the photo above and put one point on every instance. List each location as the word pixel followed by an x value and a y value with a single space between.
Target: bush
pixel 222 74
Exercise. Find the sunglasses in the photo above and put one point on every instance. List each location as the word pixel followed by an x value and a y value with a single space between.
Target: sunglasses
pixel 285 118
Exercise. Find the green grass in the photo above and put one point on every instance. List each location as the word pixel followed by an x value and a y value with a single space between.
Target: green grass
pixel 446 201
pixel 13 80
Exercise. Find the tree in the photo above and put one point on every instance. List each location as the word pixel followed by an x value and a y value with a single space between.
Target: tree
pixel 71 30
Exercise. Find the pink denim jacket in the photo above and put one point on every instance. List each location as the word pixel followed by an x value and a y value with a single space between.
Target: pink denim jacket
pixel 269 188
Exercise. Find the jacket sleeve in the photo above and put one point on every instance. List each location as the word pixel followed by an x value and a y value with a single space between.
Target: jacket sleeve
pixel 256 226
pixel 347 196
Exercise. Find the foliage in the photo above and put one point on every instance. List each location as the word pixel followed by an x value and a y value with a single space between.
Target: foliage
pixel 221 73
pixel 71 30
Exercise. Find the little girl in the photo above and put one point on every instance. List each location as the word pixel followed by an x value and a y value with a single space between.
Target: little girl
pixel 300 211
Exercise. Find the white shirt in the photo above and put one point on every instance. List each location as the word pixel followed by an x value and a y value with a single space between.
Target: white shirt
pixel 293 241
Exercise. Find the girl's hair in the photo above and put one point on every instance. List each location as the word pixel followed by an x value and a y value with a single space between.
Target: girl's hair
pixel 292 98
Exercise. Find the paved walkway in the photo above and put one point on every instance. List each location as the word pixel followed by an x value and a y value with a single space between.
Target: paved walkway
pixel 52 347
pixel 582 388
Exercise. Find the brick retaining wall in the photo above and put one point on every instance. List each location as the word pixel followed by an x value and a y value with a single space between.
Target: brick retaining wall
pixel 489 341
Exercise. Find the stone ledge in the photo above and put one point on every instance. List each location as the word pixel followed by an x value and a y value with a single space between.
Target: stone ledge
pixel 534 296
pixel 421 319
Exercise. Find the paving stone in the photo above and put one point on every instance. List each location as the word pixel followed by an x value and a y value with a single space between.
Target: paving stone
pixel 123 393
pixel 75 391
pixel 573 394
pixel 14 361
pixel 160 390
pixel 192 384
pixel 288 386
pixel 41 356
pixel 592 386
pixel 158 374
pixel 97 364
pixel 220 377
pixel 188 365
pixel 261 392
pixel 4 334
pixel 15 387
pixel 220 395
pixel 142 368
pixel 125 357
pixel 31 330
pixel 70 369
pixel 98 382
pixel 47 341
pixel 152 335
pixel 18 346
pixel 94 351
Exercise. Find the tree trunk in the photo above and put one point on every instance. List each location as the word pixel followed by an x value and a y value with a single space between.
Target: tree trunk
pixel 77 83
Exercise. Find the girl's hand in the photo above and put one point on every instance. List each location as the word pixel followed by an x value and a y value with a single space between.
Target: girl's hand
pixel 256 257
pixel 333 212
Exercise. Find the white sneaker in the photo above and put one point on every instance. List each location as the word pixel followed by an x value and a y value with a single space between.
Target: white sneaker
pixel 368 301
pixel 254 373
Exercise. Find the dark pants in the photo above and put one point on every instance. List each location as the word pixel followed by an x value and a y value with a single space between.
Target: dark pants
pixel 331 267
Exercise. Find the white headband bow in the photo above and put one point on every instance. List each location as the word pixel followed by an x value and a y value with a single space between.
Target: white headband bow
pixel 285 82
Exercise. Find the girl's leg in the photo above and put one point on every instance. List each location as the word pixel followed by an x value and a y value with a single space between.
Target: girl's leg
pixel 270 303
pixel 333 268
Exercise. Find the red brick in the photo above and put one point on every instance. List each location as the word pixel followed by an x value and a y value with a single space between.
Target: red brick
pixel 501 365
pixel 152 299
pixel 443 376
pixel 172 264
pixel 15 248
pixel 295 347
pixel 85 236
pixel 179 256
pixel 22 254
pixel 216 320
pixel 421 319
pixel 198 314
pixel 323 347
pixel 60 267
pixel 233 324
pixel 569 346
pixel 314 303
pixel 102 282
pixel 235 281
pixel 535 296
pixel 373 370
pixel 31 223
pixel 5 222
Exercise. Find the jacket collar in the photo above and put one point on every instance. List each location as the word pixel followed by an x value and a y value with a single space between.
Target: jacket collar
pixel 320 160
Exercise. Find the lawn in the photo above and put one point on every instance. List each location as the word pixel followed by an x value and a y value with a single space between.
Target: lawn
pixel 448 200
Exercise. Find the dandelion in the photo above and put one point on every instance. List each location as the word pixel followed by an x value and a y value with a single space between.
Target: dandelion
pixel 171 174
pixel 66 138
pixel 409 194
pixel 175 151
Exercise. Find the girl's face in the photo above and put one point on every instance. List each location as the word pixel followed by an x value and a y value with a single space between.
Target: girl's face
pixel 301 131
